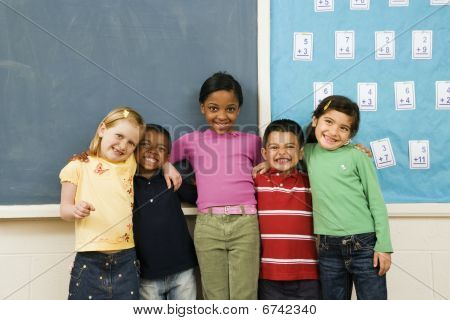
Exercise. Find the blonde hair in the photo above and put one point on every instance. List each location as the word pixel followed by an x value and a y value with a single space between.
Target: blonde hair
pixel 111 120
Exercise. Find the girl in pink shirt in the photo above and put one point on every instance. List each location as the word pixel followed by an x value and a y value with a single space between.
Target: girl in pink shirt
pixel 226 235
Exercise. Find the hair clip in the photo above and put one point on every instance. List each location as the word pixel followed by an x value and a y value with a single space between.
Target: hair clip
pixel 327 105
pixel 126 113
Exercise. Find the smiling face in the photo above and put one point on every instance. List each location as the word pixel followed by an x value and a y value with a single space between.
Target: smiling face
pixel 118 142
pixel 282 151
pixel 221 109
pixel 333 129
pixel 153 152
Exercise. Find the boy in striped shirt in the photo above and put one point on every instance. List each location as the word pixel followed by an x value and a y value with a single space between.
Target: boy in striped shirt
pixel 289 266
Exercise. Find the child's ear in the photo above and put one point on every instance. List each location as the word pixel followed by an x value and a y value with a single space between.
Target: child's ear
pixel 301 153
pixel 264 153
pixel 202 108
pixel 101 130
pixel 314 122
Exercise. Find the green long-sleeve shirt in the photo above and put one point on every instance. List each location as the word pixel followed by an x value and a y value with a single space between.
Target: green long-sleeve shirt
pixel 346 195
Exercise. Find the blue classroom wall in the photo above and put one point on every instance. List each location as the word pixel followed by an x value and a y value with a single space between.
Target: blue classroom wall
pixel 65 64
pixel 292 83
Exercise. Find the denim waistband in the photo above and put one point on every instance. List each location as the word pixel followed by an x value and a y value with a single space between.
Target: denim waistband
pixel 125 254
pixel 343 240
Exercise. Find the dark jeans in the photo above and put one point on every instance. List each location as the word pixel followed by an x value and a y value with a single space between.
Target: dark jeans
pixel 347 260
pixel 289 290
pixel 97 275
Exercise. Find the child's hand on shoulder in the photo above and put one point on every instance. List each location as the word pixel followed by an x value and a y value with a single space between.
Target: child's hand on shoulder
pixel 363 148
pixel 261 168
pixel 383 260
pixel 172 176
pixel 83 157
pixel 82 209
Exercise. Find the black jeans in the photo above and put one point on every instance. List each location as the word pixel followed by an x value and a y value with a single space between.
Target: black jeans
pixel 348 260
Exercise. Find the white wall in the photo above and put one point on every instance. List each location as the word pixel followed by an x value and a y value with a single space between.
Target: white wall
pixel 422 258
pixel 36 256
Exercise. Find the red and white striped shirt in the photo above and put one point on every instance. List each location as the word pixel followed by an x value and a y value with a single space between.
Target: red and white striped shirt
pixel 288 247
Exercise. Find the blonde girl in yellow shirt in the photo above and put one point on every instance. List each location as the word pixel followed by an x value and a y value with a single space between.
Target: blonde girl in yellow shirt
pixel 98 195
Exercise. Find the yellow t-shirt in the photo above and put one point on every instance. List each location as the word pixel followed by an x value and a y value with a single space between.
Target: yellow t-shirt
pixel 108 187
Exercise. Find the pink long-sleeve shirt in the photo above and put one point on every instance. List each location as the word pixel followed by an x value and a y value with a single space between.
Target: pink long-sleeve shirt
pixel 222 164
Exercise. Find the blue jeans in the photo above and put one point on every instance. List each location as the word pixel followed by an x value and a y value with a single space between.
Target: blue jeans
pixel 178 286
pixel 101 276
pixel 348 260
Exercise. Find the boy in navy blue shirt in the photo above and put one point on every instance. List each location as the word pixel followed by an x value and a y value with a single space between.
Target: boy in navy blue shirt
pixel 163 244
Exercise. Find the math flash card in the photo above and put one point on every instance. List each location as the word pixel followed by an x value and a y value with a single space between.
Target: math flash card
pixel 359 4
pixel 419 154
pixel 440 2
pixel 382 153
pixel 323 5
pixel 384 45
pixel 398 3
pixel 321 91
pixel 443 95
pixel 405 95
pixel 303 46
pixel 344 44
pixel 422 44
pixel 367 96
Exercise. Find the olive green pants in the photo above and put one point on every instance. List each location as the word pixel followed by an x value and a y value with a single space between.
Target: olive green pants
pixel 227 249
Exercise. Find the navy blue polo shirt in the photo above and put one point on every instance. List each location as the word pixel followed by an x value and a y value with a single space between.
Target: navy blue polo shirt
pixel 163 243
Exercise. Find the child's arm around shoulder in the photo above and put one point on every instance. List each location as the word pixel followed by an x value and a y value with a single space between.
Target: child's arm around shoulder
pixel 187 192
pixel 260 176
pixel 181 145
pixel 172 176
pixel 177 154
pixel 257 156
pixel 363 149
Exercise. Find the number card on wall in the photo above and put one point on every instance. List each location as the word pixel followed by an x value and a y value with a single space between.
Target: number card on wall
pixel 398 3
pixel 345 44
pixel 321 91
pixel 359 4
pixel 419 154
pixel 303 46
pixel 405 95
pixel 443 95
pixel 367 96
pixel 439 2
pixel 323 5
pixel 382 153
pixel 422 44
pixel 384 45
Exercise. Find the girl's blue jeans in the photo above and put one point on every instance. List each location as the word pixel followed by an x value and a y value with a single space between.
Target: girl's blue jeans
pixel 97 275
pixel 348 260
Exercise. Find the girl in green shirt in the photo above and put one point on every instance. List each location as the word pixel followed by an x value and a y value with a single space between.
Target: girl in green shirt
pixel 350 215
